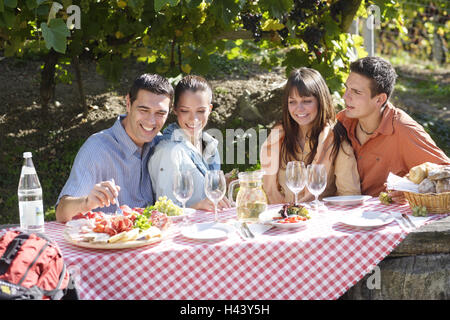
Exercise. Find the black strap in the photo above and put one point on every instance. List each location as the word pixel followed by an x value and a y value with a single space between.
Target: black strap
pixel 57 293
pixel 32 263
pixel 11 252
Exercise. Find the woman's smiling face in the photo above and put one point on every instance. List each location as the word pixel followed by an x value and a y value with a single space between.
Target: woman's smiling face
pixel 302 109
pixel 192 110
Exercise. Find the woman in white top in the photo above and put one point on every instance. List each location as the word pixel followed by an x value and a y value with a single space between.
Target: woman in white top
pixel 185 146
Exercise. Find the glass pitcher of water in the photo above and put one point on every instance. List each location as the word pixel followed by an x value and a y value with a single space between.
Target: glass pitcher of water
pixel 251 199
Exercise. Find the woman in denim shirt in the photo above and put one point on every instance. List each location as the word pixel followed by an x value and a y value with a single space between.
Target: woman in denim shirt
pixel 184 145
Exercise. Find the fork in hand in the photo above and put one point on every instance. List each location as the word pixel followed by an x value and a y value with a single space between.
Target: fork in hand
pixel 118 210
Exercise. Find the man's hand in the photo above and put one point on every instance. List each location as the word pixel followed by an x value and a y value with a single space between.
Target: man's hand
pixel 102 195
pixel 396 196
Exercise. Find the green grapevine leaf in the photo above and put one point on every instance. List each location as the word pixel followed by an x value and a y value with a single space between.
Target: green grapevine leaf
pixel 159 4
pixel 296 58
pixel 31 4
pixel 111 67
pixel 2 7
pixel 10 3
pixel 225 10
pixel 8 18
pixel 55 34
pixel 13 47
pixel 277 8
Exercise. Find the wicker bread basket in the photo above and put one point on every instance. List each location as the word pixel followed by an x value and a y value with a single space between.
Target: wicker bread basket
pixel 434 202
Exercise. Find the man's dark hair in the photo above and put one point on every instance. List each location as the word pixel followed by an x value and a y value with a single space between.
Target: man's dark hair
pixel 151 82
pixel 381 73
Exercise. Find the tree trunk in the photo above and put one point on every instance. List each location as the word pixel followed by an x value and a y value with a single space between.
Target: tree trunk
pixel 76 65
pixel 47 89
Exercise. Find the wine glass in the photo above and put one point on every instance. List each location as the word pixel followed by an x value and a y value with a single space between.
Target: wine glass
pixel 295 177
pixel 316 181
pixel 183 187
pixel 215 187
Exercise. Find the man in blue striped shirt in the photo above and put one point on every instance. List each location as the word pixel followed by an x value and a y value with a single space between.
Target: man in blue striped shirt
pixel 120 153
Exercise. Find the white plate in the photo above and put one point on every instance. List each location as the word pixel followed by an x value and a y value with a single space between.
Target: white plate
pixel 365 219
pixel 116 245
pixel 207 231
pixel 187 212
pixel 268 215
pixel 347 200
pixel 289 225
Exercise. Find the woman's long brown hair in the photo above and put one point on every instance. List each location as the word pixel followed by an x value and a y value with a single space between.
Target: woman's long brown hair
pixel 308 82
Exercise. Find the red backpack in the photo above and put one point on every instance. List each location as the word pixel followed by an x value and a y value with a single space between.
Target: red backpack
pixel 32 267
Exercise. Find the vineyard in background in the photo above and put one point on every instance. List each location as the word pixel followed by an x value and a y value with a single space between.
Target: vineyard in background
pixel 176 37
pixel 217 38
pixel 422 32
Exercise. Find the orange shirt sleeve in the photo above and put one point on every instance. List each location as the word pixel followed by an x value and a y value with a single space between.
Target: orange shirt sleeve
pixel 418 147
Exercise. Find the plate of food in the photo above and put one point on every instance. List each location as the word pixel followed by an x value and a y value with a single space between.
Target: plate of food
pixel 97 230
pixel 365 219
pixel 207 231
pixel 290 216
pixel 174 212
pixel 290 222
pixel 347 200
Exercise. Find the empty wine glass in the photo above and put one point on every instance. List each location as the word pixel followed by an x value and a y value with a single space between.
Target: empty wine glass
pixel 183 187
pixel 295 177
pixel 215 187
pixel 316 181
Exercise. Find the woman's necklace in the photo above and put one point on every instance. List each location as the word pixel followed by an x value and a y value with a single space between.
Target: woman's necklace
pixel 368 133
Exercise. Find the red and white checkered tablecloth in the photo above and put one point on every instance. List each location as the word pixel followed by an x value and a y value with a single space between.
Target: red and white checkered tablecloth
pixel 321 261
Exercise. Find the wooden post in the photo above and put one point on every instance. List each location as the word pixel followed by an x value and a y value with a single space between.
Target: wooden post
pixel 369 35
pixel 354 30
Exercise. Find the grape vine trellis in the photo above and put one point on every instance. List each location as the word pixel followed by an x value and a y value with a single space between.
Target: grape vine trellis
pixel 178 36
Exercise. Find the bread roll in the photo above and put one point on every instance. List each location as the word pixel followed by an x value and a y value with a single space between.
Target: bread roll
pixel 443 185
pixel 418 173
pixel 441 172
pixel 427 186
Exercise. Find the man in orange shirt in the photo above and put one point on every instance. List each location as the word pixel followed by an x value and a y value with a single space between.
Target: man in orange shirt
pixel 385 139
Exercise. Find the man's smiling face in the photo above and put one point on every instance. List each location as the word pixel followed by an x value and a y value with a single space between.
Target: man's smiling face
pixel 146 116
